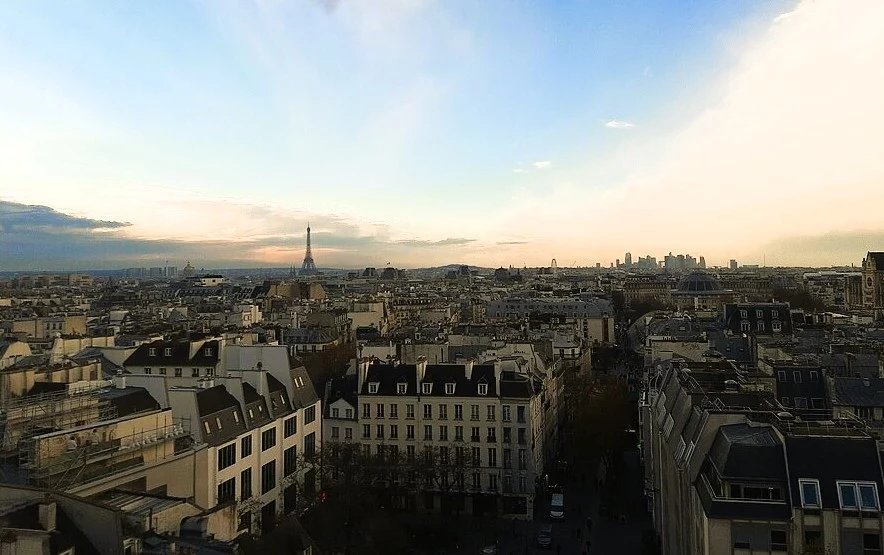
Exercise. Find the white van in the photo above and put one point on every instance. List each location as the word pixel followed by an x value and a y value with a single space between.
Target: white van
pixel 557 507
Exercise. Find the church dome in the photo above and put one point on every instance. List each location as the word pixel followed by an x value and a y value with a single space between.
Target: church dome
pixel 698 282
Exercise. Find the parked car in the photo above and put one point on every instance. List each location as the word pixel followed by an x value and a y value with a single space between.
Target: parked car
pixel 544 537
pixel 489 550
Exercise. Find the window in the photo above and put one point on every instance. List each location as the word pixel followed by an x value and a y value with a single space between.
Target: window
pixel 335 432
pixel 523 484
pixel 522 440
pixel 458 412
pixel 449 389
pixel 744 314
pixel 871 543
pixel 409 452
pixel 348 433
pixel 409 432
pixel 290 460
pixel 474 412
pixel 814 376
pixel 348 413
pixel 290 426
pixel 492 456
pixel 194 372
pixel 443 433
pixel 858 495
pixel 427 388
pixel 786 401
pixel 428 432
pixel 409 411
pixel 745 326
pixel 796 375
pixel 167 351
pixel 759 313
pixel 443 412
pixel 226 456
pixel 800 402
pixel 394 432
pixel 523 459
pixel 366 431
pixel 245 483
pixel 207 426
pixel 476 456
pixel 810 493
pixel 379 410
pixel 152 352
pixel 760 325
pixel 428 411
pixel 483 389
pixel 781 376
pixel 477 480
pixel 268 439
pixel 207 351
pixel 491 413
pixel 335 413
pixel 776 326
pixel 366 410
pixel 817 403
pixel 310 443
pixel 520 414
pixel 310 414
pixel 178 372
pixel 227 490
pixel 507 435
pixel 507 458
pixel 505 413
pixel 380 431
pixel 373 387
pixel 774 314
pixel 394 410
pixel 778 540
pixel 458 433
pixel 492 435
pixel 401 388
pixel 268 476
pixel 863 412
pixel 245 447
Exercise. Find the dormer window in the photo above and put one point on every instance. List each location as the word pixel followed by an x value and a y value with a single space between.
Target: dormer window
pixel 483 389
pixel 167 351
pixel 401 388
pixel 427 388
pixel 373 387
pixel 208 351
pixel 449 389
pixel 152 352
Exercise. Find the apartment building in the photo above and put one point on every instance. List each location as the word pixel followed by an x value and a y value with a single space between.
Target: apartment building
pixel 728 471
pixel 475 419
pixel 258 420
pixel 184 359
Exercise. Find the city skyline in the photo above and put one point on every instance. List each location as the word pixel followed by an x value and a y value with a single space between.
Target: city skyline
pixel 429 133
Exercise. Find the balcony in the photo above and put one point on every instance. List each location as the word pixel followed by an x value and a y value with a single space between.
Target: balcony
pixel 475 439
pixel 491 439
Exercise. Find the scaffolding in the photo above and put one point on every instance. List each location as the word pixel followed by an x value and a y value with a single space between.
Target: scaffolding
pixel 69 458
pixel 24 417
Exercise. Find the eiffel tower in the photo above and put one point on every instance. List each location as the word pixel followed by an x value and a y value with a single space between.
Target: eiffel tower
pixel 308 268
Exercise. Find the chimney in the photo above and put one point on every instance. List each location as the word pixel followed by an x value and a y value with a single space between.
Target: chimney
pixel 421 371
pixel 120 380
pixel 46 514
pixel 468 368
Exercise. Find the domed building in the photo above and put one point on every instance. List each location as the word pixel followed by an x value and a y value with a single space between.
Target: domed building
pixel 701 291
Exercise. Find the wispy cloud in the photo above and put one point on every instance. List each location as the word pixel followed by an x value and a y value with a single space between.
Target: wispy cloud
pixel 783 16
pixel 542 164
pixel 512 242
pixel 618 124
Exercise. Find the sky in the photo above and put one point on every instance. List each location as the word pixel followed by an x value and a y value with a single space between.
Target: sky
pixel 418 132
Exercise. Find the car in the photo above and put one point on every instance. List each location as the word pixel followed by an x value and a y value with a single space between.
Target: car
pixel 544 537
pixel 489 550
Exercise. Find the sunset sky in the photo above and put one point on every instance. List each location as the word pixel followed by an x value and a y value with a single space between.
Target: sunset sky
pixel 420 132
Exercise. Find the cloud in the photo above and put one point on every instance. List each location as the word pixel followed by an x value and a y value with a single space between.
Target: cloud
pixel 778 153
pixel 542 164
pixel 23 219
pixel 783 16
pixel 617 124
pixel 451 241
pixel 512 242
pixel 519 170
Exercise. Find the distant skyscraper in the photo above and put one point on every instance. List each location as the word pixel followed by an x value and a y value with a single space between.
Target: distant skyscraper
pixel 308 268
pixel 733 264
pixel 627 260
pixel 703 262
